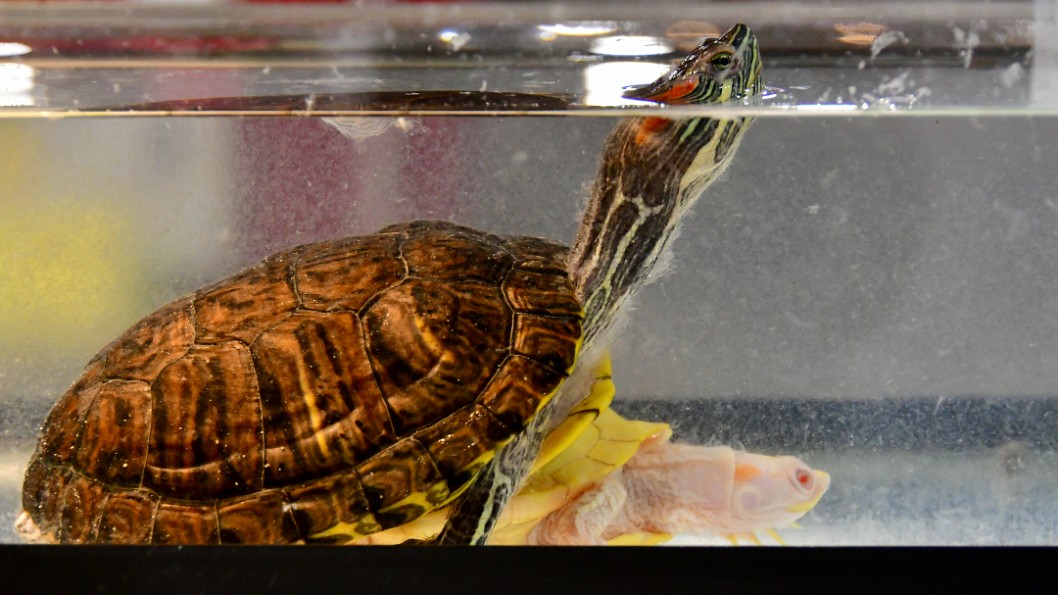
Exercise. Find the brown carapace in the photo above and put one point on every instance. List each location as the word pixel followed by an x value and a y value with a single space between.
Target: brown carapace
pixel 334 390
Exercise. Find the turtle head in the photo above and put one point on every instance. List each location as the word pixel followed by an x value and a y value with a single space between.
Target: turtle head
pixel 773 492
pixel 719 69
pixel 654 168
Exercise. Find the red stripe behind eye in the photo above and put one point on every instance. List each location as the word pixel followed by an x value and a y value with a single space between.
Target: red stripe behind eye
pixel 649 127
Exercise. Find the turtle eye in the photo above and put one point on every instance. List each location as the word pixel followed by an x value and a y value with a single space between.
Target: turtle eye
pixel 803 479
pixel 721 61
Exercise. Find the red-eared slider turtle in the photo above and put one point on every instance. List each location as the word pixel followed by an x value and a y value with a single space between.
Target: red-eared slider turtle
pixel 346 387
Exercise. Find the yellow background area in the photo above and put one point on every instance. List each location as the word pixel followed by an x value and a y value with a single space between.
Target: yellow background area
pixel 67 273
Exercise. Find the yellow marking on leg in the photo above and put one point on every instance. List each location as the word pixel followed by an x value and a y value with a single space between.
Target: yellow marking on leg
pixel 422 528
pixel 365 525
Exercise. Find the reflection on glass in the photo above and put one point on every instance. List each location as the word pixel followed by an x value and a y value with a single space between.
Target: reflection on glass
pixel 576 29
pixel 16 82
pixel 604 84
pixel 9 49
pixel 630 45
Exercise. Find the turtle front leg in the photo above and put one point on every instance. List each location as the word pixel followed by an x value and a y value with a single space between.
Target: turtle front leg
pixel 584 519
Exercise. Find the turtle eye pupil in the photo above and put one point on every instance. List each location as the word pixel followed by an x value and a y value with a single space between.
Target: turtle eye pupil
pixel 803 478
pixel 721 61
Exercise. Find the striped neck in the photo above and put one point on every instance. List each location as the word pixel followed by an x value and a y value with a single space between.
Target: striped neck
pixel 653 170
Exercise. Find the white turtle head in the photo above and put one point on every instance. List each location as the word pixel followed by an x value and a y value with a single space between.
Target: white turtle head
pixel 773 492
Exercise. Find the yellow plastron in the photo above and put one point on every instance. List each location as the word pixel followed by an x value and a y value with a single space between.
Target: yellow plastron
pixel 591 443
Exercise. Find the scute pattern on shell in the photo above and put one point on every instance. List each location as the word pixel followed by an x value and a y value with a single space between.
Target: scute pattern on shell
pixel 361 381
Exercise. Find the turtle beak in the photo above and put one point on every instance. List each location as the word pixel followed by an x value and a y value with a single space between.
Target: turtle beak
pixel 649 92
pixel 668 89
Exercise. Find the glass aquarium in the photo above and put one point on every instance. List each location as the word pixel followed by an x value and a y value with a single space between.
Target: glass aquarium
pixel 871 286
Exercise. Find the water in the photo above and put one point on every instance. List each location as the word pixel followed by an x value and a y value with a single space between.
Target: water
pixel 871 286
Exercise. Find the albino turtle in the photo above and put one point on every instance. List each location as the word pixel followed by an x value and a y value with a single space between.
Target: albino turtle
pixel 603 479
pixel 339 389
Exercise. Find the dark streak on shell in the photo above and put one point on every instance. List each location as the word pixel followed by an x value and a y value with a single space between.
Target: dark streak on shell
pixel 360 381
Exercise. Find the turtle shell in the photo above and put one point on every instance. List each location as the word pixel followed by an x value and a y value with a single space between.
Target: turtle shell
pixel 334 390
